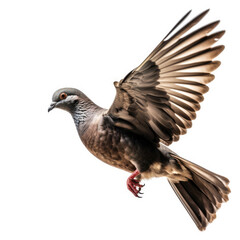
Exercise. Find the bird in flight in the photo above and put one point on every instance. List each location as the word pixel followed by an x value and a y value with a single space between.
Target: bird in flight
pixel 155 104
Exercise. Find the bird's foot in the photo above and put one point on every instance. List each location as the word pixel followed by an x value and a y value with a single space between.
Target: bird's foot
pixel 134 185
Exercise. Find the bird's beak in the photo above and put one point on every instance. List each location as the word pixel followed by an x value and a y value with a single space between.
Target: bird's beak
pixel 52 106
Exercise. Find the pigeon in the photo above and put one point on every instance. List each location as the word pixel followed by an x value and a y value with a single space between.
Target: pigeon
pixel 155 103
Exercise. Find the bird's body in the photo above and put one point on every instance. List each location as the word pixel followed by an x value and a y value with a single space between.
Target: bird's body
pixel 113 145
pixel 119 147
pixel 109 143
pixel 155 104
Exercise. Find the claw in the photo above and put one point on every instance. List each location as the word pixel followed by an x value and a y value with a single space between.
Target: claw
pixel 134 185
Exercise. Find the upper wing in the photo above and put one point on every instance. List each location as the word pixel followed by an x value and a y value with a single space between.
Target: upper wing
pixel 159 98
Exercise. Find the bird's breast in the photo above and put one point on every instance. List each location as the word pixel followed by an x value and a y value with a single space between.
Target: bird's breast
pixel 109 144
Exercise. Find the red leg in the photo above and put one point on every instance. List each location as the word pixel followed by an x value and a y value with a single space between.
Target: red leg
pixel 134 185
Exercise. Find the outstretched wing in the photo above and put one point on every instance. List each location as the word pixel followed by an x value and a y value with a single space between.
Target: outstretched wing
pixel 159 99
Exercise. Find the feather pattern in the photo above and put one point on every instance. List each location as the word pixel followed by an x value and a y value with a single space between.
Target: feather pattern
pixel 159 98
pixel 202 195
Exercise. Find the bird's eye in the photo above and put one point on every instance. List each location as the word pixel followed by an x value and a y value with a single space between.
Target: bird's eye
pixel 63 96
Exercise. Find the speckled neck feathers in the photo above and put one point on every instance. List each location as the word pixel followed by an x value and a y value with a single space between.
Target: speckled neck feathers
pixel 80 114
pixel 83 113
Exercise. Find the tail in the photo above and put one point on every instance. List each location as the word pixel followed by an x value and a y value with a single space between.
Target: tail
pixel 203 194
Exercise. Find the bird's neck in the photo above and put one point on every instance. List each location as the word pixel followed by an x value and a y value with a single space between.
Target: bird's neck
pixel 83 112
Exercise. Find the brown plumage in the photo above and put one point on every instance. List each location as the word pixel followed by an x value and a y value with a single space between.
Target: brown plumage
pixel 203 194
pixel 155 104
pixel 164 92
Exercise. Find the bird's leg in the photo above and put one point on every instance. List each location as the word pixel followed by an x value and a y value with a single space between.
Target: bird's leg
pixel 134 185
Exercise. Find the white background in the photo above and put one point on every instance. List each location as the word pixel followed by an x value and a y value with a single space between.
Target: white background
pixel 51 187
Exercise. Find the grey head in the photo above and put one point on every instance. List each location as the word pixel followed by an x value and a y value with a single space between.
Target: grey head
pixel 76 103
pixel 67 99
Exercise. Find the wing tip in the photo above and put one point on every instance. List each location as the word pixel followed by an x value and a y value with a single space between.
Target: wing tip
pixel 216 64
pixel 205 12
pixel 202 13
pixel 221 48
pixel 188 12
pixel 215 23
pixel 218 35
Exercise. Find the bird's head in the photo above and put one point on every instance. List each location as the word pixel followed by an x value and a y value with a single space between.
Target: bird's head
pixel 67 99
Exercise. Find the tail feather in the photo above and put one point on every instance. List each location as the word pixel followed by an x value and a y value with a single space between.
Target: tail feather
pixel 203 194
pixel 191 207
